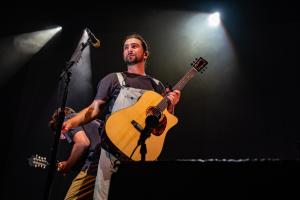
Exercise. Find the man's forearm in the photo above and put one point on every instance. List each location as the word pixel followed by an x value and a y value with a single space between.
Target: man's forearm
pixel 77 152
pixel 88 114
pixel 85 116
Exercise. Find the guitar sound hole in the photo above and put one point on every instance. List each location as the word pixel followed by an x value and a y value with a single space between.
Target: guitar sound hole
pixel 162 120
pixel 161 126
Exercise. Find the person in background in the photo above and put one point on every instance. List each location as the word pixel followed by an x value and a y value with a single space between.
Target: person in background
pixel 84 155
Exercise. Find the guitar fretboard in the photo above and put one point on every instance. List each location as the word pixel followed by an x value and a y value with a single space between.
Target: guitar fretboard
pixel 198 66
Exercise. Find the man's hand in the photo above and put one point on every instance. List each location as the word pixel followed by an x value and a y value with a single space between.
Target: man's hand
pixel 66 126
pixel 63 167
pixel 173 96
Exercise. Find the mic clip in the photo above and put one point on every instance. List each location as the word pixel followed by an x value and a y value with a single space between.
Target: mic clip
pixel 92 39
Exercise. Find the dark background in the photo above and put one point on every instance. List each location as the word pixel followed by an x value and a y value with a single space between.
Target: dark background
pixel 251 114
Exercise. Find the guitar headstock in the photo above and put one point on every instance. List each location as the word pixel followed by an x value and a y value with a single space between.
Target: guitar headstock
pixel 199 64
pixel 38 161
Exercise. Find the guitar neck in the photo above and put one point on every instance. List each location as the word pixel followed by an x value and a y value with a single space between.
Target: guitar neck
pixel 184 80
pixel 198 66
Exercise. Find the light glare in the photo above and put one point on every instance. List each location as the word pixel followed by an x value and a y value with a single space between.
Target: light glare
pixel 214 19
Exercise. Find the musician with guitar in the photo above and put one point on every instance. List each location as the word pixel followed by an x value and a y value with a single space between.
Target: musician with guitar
pixel 83 157
pixel 135 126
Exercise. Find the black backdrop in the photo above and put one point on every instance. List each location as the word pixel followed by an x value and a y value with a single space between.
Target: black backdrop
pixel 256 118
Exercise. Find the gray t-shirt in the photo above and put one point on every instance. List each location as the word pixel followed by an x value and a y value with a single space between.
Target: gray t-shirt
pixel 109 87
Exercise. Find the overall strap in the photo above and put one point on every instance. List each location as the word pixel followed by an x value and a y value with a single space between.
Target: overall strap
pixel 155 80
pixel 155 84
pixel 121 79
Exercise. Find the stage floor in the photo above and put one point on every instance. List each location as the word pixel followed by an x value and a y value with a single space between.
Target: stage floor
pixel 209 179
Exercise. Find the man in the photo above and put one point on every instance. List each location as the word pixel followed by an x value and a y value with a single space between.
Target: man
pixel 116 91
pixel 84 156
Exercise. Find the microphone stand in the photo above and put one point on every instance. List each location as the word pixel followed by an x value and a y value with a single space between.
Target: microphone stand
pixel 152 122
pixel 66 74
pixel 145 133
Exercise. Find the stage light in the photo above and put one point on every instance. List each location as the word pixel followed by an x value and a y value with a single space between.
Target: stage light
pixel 17 50
pixel 214 19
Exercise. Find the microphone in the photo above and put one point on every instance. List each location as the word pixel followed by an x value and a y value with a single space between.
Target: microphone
pixel 94 41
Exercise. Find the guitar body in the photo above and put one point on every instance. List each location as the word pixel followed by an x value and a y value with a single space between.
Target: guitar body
pixel 124 135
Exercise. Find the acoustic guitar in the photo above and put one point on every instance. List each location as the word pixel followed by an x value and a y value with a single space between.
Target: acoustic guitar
pixel 146 123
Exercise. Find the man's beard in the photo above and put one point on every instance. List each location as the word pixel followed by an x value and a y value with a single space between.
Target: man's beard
pixel 132 62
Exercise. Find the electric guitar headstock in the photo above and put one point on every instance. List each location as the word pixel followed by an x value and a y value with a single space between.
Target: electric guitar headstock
pixel 38 161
